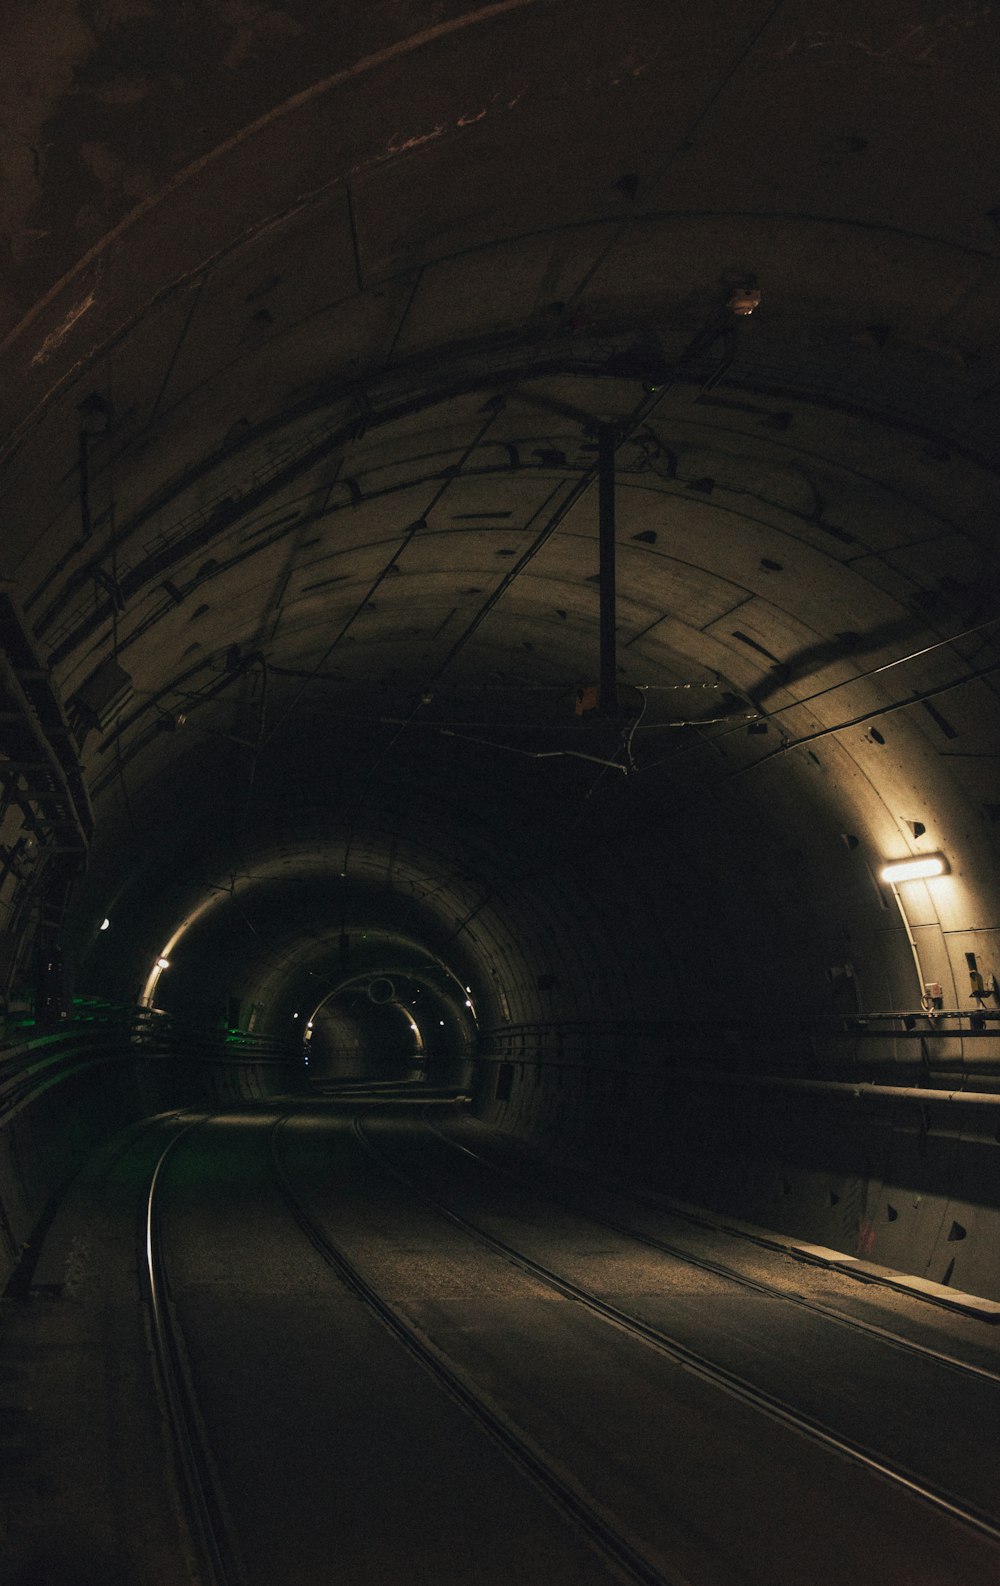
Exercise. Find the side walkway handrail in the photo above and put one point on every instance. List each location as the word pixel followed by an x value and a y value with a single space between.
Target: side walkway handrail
pixel 889 1049
pixel 33 1058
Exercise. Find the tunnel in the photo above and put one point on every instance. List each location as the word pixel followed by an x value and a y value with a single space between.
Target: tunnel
pixel 499 626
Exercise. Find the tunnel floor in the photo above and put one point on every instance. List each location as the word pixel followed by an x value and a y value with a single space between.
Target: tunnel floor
pixel 366 1339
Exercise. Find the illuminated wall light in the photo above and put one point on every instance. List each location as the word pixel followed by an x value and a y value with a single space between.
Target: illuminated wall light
pixel 163 963
pixel 915 869
pixel 105 923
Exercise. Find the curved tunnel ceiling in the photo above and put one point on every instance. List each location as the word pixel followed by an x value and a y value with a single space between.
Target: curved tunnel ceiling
pixel 310 351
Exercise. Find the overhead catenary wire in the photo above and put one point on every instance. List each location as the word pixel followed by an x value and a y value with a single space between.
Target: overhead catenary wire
pixel 408 536
pixel 651 399
pixel 871 715
pixel 917 698
pixel 535 754
pixel 885 666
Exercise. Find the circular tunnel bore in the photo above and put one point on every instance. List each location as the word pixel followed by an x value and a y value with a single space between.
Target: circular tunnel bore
pixel 498 579
pixel 350 1037
pixel 578 569
pixel 384 1027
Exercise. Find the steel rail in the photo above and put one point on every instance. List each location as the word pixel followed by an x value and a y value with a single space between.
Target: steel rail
pixel 626 1559
pixel 720 1269
pixel 219 1558
pixel 699 1365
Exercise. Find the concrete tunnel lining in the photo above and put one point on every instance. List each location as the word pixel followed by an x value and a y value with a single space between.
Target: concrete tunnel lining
pixel 348 361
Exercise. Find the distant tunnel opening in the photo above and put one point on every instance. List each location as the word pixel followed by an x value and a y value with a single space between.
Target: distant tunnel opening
pixel 350 1037
pixel 386 1027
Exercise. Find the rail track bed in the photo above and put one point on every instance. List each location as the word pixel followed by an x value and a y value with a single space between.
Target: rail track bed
pixel 381 1354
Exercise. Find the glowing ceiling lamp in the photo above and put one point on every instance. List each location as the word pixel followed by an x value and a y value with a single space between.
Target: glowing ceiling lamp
pixel 163 963
pixel 916 869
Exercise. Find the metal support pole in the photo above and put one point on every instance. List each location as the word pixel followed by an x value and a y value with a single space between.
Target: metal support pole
pixel 608 694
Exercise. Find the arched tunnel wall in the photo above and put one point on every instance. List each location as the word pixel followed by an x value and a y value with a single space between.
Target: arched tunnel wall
pixel 765 1085
pixel 693 993
pixel 516 486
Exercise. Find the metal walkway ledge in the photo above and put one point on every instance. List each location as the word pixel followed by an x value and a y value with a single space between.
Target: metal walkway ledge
pixel 975 1305
pixel 939 1293
pixel 853 1266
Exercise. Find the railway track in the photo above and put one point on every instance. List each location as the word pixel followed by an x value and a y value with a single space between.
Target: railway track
pixel 600 1532
pixel 219 1559
pixel 216 1544
pixel 722 1377
pixel 721 1270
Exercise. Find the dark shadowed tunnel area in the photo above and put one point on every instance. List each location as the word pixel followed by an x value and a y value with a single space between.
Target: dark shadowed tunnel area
pixel 498 560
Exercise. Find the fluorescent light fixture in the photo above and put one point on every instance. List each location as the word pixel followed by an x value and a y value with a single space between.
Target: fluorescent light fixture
pixel 163 963
pixel 915 869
